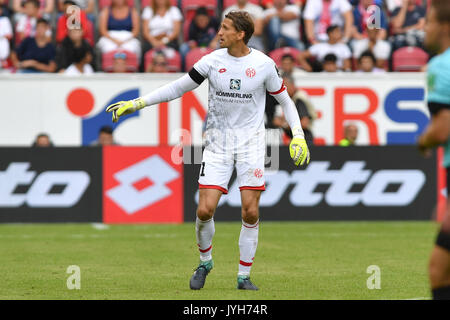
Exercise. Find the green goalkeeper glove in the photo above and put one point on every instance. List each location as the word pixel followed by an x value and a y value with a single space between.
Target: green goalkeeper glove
pixel 123 108
pixel 298 148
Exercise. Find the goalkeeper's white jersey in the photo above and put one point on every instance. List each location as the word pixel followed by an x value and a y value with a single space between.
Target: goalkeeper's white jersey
pixel 237 92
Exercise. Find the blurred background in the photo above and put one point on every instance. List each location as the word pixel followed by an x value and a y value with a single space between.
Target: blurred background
pixel 354 69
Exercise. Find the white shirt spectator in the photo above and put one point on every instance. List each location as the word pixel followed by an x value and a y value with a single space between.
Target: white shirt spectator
pixel 5 33
pixel 73 71
pixel 374 70
pixel 83 4
pixel 159 25
pixel 381 50
pixel 255 11
pixel 340 50
pixel 289 28
pixel 393 4
pixel 313 11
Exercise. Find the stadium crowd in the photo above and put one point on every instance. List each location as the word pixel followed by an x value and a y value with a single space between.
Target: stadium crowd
pixel 87 36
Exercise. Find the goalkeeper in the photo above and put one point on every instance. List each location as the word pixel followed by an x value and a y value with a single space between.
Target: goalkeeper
pixel 235 135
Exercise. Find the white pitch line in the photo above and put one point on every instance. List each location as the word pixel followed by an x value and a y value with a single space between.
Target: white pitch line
pixel 419 298
pixel 100 226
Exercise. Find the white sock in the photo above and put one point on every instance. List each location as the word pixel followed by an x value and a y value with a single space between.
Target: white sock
pixel 205 232
pixel 248 241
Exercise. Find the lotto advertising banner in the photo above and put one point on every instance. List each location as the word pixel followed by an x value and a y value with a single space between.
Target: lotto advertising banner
pixel 353 183
pixel 50 185
pixel 142 185
pixel 387 108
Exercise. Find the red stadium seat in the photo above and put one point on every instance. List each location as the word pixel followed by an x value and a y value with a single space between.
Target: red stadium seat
pixel 409 59
pixel 228 3
pixel 105 3
pixel 189 6
pixel 173 59
pixel 194 55
pixel 186 25
pixel 277 54
pixel 131 61
pixel 91 31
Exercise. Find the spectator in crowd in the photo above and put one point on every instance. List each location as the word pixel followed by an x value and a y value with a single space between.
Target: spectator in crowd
pixel 408 23
pixel 391 5
pixel 6 35
pixel 88 6
pixel 119 27
pixel 35 54
pixel 65 53
pixel 120 63
pixel 367 63
pixel 350 135
pixel 26 24
pixel 202 32
pixel 282 23
pixel 333 45
pixel 42 140
pixel 288 67
pixel 380 48
pixel 365 19
pixel 329 63
pixel 158 64
pixel 5 11
pixel 65 21
pixel 256 12
pixel 82 58
pixel 105 137
pixel 321 14
pixel 45 8
pixel 161 24
pixel 266 4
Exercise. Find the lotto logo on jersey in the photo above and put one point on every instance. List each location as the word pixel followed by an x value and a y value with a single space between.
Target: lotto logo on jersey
pixel 235 84
pixel 144 186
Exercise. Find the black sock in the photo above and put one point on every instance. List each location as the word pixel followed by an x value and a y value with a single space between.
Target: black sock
pixel 442 293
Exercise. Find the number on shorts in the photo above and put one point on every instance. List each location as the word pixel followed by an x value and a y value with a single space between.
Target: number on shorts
pixel 202 170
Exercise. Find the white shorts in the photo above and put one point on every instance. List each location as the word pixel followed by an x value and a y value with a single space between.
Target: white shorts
pixel 216 169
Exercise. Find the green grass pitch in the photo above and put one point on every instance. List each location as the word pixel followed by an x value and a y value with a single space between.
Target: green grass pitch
pixel 294 260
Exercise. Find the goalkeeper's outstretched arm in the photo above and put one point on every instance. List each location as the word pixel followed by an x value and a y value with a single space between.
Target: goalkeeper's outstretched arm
pixel 171 90
pixel 168 92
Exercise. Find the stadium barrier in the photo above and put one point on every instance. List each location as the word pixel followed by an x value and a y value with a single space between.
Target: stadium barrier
pixel 151 185
pixel 387 108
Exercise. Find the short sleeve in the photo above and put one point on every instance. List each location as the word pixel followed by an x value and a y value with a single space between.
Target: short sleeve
pixel 6 28
pixel 268 12
pixel 345 6
pixel 257 11
pixel 20 27
pixel 395 12
pixel 175 14
pixel 203 65
pixel 147 14
pixel 315 49
pixel 294 9
pixel 422 11
pixel 346 53
pixel 438 84
pixel 274 83
pixel 310 12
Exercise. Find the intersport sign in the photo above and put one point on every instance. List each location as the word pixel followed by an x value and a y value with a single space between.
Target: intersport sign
pixel 356 183
pixel 50 185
